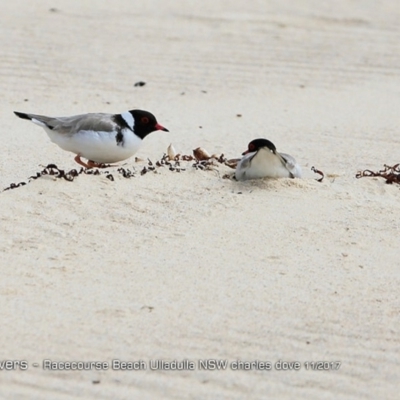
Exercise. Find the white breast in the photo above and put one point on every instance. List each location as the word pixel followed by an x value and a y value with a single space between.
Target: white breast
pixel 262 165
pixel 101 147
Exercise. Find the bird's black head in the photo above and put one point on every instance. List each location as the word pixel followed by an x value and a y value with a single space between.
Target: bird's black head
pixel 257 144
pixel 145 123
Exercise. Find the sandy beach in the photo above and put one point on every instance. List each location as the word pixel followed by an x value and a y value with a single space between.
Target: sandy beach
pixel 191 266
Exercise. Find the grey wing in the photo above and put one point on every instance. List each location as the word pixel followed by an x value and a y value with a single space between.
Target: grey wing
pixel 96 122
pixel 246 161
pixel 291 165
pixel 243 165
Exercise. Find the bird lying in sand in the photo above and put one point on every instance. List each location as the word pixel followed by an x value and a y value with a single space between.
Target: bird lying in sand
pixel 100 138
pixel 261 160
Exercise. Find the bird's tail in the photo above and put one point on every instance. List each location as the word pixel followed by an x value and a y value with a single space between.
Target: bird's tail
pixel 23 115
pixel 40 120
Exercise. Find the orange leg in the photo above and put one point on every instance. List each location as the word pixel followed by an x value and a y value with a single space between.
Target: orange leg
pixel 80 162
pixel 92 164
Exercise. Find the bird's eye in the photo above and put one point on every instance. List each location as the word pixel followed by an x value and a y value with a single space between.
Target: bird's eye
pixel 144 120
pixel 251 146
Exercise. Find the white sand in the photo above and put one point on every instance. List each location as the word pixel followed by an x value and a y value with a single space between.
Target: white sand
pixel 192 266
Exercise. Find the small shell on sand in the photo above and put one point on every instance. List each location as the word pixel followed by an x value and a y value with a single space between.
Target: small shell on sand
pixel 171 152
pixel 201 154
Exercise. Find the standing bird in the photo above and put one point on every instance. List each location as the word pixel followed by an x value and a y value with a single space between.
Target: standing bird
pixel 261 160
pixel 98 137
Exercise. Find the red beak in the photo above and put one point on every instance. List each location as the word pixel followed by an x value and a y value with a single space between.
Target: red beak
pixel 245 152
pixel 161 128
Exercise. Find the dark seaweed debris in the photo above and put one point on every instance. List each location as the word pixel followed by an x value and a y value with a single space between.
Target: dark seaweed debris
pixel 50 169
pixel 391 174
pixel 317 171
pixel 173 165
pixel 53 170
